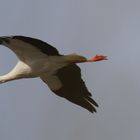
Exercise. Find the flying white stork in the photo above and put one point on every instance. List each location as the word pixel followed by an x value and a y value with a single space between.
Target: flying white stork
pixel 59 72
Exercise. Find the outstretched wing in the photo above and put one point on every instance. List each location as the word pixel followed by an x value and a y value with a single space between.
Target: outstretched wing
pixel 67 83
pixel 38 44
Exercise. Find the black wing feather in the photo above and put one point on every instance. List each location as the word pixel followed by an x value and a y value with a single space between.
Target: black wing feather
pixel 39 44
pixel 74 88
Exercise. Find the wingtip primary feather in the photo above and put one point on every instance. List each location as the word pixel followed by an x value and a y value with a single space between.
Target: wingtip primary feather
pixel 92 101
pixel 83 102
pixel 92 105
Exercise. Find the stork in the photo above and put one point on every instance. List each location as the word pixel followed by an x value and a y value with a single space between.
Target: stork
pixel 37 58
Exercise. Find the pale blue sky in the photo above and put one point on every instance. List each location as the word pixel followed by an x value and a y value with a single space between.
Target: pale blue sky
pixel 30 111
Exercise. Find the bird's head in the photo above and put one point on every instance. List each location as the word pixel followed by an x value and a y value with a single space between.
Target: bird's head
pixel 74 58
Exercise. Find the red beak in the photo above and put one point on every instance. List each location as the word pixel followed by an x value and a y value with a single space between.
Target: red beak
pixel 97 58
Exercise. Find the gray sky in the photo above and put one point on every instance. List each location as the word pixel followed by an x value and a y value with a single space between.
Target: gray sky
pixel 30 111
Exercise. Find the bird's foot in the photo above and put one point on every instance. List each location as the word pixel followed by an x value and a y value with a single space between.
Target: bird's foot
pixel 97 58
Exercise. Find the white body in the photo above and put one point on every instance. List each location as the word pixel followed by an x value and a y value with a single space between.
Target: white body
pixel 32 63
